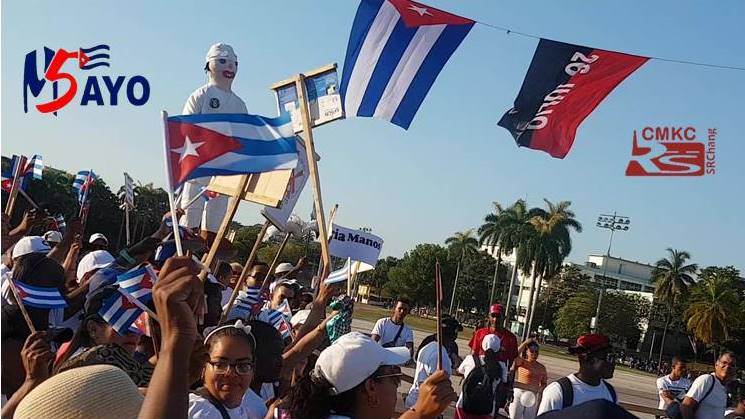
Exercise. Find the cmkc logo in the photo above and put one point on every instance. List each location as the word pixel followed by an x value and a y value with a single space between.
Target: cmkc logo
pixel 672 151
pixel 65 85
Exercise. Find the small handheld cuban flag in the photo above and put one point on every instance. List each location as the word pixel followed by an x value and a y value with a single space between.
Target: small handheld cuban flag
pixel 9 172
pixel 40 297
pixel 84 180
pixel 396 50
pixel 339 275
pixel 119 311
pixel 247 303
pixel 138 283
pixel 276 319
pixel 35 167
pixel 58 223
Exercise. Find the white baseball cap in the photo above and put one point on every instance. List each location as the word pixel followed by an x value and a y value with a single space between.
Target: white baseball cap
pixel 94 260
pixel 53 236
pixel 491 342
pixel 30 244
pixel 283 267
pixel 221 50
pixel 281 281
pixel 97 236
pixel 353 358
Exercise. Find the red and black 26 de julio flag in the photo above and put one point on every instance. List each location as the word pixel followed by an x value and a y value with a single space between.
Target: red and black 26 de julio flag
pixel 564 84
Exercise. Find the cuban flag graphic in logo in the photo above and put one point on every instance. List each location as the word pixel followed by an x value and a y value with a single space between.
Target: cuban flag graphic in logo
pixel 396 50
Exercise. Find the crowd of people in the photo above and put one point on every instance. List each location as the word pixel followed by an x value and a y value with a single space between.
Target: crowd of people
pixel 280 351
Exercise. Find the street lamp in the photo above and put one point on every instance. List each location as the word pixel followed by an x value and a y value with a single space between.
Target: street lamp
pixel 613 223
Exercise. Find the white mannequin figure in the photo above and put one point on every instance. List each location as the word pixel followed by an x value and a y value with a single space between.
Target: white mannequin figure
pixel 214 97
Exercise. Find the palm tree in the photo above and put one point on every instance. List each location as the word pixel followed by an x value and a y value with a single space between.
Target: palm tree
pixel 713 309
pixel 546 247
pixel 673 277
pixel 514 228
pixel 461 243
pixel 490 233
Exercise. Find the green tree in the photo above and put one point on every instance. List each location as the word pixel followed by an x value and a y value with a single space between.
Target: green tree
pixel 490 234
pixel 414 274
pixel 559 288
pixel 546 246
pixel 571 319
pixel 460 245
pixel 672 277
pixel 515 228
pixel 714 305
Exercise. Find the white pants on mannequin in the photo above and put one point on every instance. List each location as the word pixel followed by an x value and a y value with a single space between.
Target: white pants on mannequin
pixel 518 410
pixel 204 213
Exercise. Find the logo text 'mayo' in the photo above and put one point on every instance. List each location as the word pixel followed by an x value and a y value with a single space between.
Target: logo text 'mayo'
pixel 99 90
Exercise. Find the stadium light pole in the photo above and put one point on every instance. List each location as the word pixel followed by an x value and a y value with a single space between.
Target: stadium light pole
pixel 613 223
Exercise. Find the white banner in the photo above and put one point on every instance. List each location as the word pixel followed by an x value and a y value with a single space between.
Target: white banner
pixel 355 244
pixel 298 179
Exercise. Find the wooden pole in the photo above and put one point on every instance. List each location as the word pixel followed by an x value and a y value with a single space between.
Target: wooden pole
pixel 265 283
pixel 126 223
pixel 438 291
pixel 232 208
pixel 28 199
pixel 244 272
pixel 19 301
pixel 332 215
pixel 169 189
pixel 16 185
pixel 310 152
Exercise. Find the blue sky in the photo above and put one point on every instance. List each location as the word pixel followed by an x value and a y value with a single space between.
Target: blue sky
pixel 441 175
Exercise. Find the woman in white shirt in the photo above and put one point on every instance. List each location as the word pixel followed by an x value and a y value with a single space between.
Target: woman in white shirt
pixel 227 376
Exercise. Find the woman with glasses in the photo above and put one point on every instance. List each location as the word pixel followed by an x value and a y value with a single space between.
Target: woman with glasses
pixel 227 376
pixel 356 378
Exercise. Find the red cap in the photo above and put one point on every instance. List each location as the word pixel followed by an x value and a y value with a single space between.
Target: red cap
pixel 496 309
pixel 593 342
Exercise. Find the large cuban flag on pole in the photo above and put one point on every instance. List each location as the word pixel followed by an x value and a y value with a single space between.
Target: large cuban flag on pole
pixel 228 144
pixel 396 50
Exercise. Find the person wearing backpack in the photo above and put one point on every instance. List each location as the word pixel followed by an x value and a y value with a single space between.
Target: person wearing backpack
pixel 707 397
pixel 596 364
pixel 391 332
pixel 483 374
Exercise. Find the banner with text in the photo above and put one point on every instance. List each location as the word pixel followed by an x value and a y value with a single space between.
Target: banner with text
pixel 355 244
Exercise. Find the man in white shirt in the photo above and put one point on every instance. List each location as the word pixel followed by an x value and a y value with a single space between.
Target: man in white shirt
pixel 707 397
pixel 391 331
pixel 674 384
pixel 214 97
pixel 596 364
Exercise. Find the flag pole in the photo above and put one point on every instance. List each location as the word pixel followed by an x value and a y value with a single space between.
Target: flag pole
pixel 265 283
pixel 28 199
pixel 332 215
pixel 169 188
pixel 438 290
pixel 126 223
pixel 244 272
pixel 302 97
pixel 19 301
pixel 232 208
pixel 86 186
pixel 349 276
pixel 15 186
pixel 193 200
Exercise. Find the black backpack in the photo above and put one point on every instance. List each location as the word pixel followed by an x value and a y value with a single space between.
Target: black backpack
pixel 478 390
pixel 567 392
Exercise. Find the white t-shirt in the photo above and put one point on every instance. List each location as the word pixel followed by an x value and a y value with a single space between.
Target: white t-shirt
pixel 465 368
pixel 583 392
pixel 251 407
pixel 713 406
pixel 678 387
pixel 212 99
pixel 387 330
pixel 426 365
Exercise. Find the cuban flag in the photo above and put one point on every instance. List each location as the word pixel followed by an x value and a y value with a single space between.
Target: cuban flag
pixel 34 167
pixel 40 297
pixel 58 223
pixel 84 180
pixel 396 50
pixel 247 303
pixel 8 173
pixel 138 283
pixel 120 312
pixel 228 144
pixel 339 275
pixel 278 320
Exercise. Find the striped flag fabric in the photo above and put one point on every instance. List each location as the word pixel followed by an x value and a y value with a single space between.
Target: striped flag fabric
pixel 228 144
pixel 339 275
pixel 35 167
pixel 40 297
pixel 138 282
pixel 276 319
pixel 396 50
pixel 58 223
pixel 84 180
pixel 8 174
pixel 119 312
pixel 129 191
pixel 247 303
